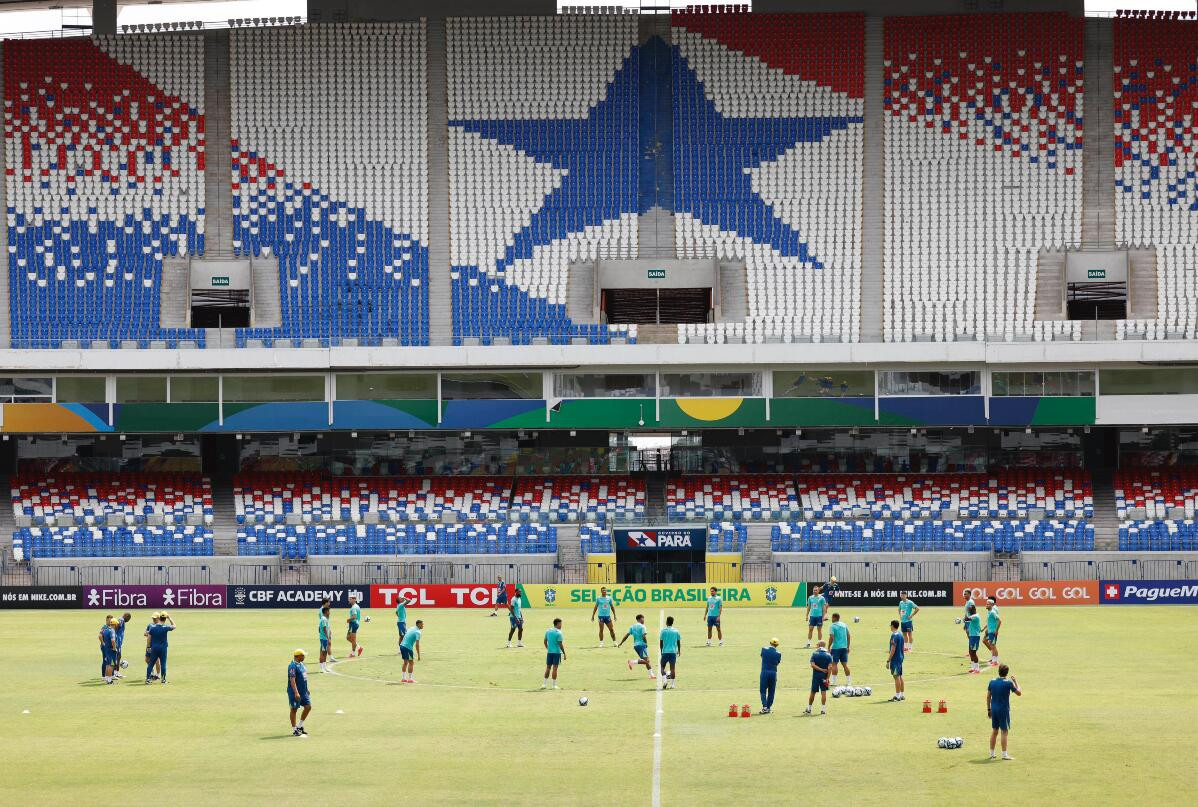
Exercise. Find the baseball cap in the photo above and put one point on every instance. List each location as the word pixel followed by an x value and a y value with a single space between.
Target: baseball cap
pixel 298 653
pixel 774 643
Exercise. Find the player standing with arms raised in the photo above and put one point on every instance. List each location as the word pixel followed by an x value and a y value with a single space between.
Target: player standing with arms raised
pixel 670 644
pixel 605 607
pixel 907 611
pixel 555 652
pixel 640 643
pixel 401 616
pixel 715 609
pixel 894 660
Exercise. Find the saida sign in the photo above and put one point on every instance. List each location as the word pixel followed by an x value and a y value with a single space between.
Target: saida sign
pixel 664 595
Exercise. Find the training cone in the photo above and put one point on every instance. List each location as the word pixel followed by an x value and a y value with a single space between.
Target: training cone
pixel 927 707
pixel 943 707
pixel 732 710
pixel 745 711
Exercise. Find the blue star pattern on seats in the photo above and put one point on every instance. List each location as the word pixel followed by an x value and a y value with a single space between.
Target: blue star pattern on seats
pixel 714 154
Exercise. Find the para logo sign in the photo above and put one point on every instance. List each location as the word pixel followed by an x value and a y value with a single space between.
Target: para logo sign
pixel 678 538
pixel 1150 592
pixel 1029 592
pixel 436 596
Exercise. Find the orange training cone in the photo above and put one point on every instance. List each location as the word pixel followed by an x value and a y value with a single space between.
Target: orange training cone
pixel 927 707
pixel 732 710
pixel 745 711
pixel 943 707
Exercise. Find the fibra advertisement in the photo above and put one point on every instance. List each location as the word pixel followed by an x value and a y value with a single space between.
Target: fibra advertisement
pixel 664 595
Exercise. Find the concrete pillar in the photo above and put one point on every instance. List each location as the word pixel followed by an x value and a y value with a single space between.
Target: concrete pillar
pixel 103 16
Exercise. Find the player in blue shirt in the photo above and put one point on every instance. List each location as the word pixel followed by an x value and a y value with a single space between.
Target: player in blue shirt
pixel 973 630
pixel 894 660
pixel 670 644
pixel 555 652
pixel 640 643
pixel 409 649
pixel 816 604
pixel 768 683
pixel 158 645
pixel 605 607
pixel 515 618
pixel 500 596
pixel 154 619
pixel 353 623
pixel 821 665
pixel 103 647
pixel 907 611
pixel 998 707
pixel 108 648
pixel 993 623
pixel 297 692
pixel 839 643
pixel 715 610
pixel 830 590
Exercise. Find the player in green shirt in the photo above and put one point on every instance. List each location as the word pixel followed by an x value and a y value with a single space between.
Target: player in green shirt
pixel 907 611
pixel 993 623
pixel 555 652
pixel 715 609
pixel 815 614
pixel 640 643
pixel 515 617
pixel 355 619
pixel 409 648
pixel 401 616
pixel 326 603
pixel 605 607
pixel 839 641
pixel 670 643
pixel 973 629
pixel 326 640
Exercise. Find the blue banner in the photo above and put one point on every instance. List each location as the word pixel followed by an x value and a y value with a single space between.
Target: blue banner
pixel 1149 592
pixel 663 538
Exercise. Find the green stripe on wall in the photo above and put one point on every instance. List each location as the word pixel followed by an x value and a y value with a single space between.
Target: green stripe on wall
pixel 1065 412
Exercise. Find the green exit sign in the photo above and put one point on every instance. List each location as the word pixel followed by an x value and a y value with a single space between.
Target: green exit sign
pixel 1096 274
pixel 657 274
pixel 220 281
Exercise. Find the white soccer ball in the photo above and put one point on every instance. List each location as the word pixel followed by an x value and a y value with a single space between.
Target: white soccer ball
pixel 583 701
pixel 836 693
pixel 367 619
pixel 957 620
pixel 858 692
pixel 959 742
pixel 942 742
pixel 856 619
pixel 869 690
pixel 124 664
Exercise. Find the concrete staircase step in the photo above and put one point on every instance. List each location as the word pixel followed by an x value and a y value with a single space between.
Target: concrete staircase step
pixel 440 288
pixel 873 177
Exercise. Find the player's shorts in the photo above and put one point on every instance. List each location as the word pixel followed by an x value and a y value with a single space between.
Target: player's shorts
pixel 907 627
pixel 501 598
pixel 302 700
pixel 669 658
pixel 516 623
pixel 992 638
pixel 403 627
pixel 553 659
pixel 109 657
pixel 896 667
pixel 815 622
pixel 1000 720
pixel 353 627
pixel 840 655
pixel 819 682
pixel 974 641
pixel 605 620
pixel 406 653
pixel 713 621
pixel 642 650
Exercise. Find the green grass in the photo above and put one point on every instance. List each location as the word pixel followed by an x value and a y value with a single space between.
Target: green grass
pixel 1107 718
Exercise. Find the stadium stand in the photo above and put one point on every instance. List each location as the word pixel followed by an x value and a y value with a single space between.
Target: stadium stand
pixel 99 500
pixel 900 535
pixel 983 156
pixel 104 148
pixel 578 498
pixel 1156 170
pixel 329 128
pixel 296 542
pixel 1158 536
pixel 724 536
pixel 1152 494
pixel 768 143
pixel 30 543
pixel 543 169
pixel 308 498
pixel 748 498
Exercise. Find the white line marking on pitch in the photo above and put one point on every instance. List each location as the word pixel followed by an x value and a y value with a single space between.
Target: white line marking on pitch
pixel 661 621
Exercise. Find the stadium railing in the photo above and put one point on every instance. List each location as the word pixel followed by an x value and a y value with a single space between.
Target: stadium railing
pixel 431 573
pixel 116 575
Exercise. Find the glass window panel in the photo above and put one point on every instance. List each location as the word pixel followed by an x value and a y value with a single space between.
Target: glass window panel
pixel 27 389
pixel 491 386
pixel 603 385
pixel 966 382
pixel 1085 382
pixel 195 389
pixel 823 383
pixel 141 389
pixel 386 386
pixel 710 385
pixel 81 389
pixel 1154 381
pixel 255 389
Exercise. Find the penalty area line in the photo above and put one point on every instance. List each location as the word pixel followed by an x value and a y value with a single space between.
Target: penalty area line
pixel 658 719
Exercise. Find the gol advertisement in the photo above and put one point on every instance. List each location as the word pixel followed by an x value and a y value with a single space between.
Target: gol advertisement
pixel 1029 592
pixel 661 595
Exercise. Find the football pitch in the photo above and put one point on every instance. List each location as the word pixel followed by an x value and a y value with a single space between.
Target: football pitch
pixel 1108 714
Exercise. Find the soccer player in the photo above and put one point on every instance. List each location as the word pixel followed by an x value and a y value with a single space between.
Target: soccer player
pixel 401 615
pixel 894 660
pixel 839 643
pixel 998 707
pixel 327 604
pixel 606 609
pixel 297 691
pixel 768 683
pixel 815 614
pixel 968 595
pixel 325 634
pixel 640 643
pixel 159 645
pixel 157 666
pixel 831 589
pixel 555 652
pixel 354 621
pixel 715 608
pixel 993 623
pixel 500 597
pixel 973 629
pixel 670 644
pixel 103 647
pixel 108 648
pixel 907 611
pixel 120 643
pixel 409 649
pixel 821 662
pixel 515 618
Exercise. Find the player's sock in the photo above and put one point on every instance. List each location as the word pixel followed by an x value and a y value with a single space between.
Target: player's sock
pixel 833 681
pixel 545 684
pixel 509 644
pixel 519 644
pixel 601 643
pixel 807 711
pixel 992 753
pixel 300 725
pixel 721 642
pixel 849 681
pixel 823 710
pixel 555 685
pixel 709 642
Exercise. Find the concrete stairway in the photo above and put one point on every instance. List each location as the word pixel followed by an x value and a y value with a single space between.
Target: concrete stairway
pixel 173 310
pixel 224 520
pixel 440 290
pixel 759 553
pixel 1142 284
pixel 569 555
pixel 7 525
pixel 1105 521
pixel 1050 286
pixel 734 297
pixel 1098 157
pixel 580 292
pixel 268 312
pixel 218 189
pixel 873 180
pixel 5 301
pixel 657 334
pixel 655 497
pixel 655 234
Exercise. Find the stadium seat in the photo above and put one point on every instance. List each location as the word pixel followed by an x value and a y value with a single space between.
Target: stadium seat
pixel 578 498
pixel 31 543
pixel 297 542
pixel 111 500
pixel 902 535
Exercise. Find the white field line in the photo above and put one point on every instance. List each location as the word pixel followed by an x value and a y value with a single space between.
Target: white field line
pixel 657 723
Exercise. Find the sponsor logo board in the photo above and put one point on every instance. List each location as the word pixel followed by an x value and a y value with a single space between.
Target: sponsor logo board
pixel 183 596
pixel 864 594
pixel 1029 592
pixel 663 595
pixel 296 596
pixel 465 595
pixel 1149 592
pixel 673 538
pixel 30 597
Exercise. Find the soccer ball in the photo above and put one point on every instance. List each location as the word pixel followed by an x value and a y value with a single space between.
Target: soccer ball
pixel 367 619
pixel 869 690
pixel 856 619
pixel 836 693
pixel 942 742
pixel 958 742
pixel 957 620
pixel 124 664
pixel 583 701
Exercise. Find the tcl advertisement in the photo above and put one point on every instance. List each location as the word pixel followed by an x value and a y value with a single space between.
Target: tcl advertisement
pixel 465 595
pixel 1029 592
